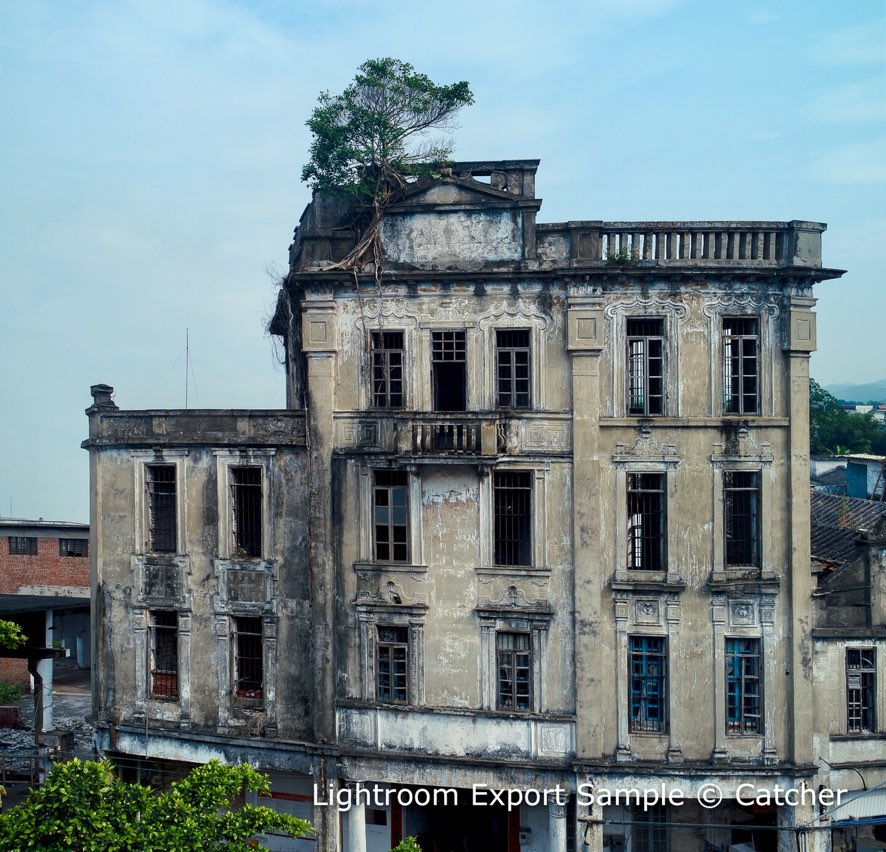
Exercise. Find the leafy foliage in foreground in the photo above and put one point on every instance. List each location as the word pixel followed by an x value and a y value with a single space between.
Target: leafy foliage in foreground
pixel 84 807
pixel 11 635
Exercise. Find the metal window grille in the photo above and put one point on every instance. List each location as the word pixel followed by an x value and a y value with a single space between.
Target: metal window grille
pixel 387 369
pixel 646 521
pixel 645 374
pixel 22 545
pixel 248 658
pixel 512 367
pixel 514 653
pixel 861 690
pixel 651 832
pixel 246 499
pixel 73 547
pixel 743 695
pixel 161 502
pixel 392 664
pixel 164 654
pixel 513 517
pixel 449 370
pixel 390 508
pixel 647 663
pixel 741 522
pixel 741 365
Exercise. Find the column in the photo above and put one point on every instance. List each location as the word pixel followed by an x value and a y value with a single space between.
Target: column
pixel 556 828
pixel 676 714
pixel 44 669
pixel 356 820
pixel 623 749
pixel 718 617
pixel 770 679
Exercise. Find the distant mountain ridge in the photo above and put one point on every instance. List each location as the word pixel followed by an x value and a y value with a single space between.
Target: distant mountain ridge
pixel 859 393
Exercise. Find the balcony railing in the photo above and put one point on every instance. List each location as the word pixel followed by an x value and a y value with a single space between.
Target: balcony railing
pixel 446 436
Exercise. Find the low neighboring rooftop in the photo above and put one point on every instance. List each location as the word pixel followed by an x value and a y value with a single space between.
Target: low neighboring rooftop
pixel 836 521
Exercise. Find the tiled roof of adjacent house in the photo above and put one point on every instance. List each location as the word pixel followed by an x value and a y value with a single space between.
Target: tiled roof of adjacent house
pixel 836 520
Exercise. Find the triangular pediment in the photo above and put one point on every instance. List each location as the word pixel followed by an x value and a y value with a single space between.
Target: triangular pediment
pixel 456 193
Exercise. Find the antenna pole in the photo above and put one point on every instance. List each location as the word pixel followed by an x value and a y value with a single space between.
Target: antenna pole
pixel 187 363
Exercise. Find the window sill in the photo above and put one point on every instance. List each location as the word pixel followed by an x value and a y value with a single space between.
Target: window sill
pixel 514 571
pixel 387 567
pixel 860 735
pixel 647 581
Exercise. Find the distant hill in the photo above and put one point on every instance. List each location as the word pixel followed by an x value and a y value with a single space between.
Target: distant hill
pixel 859 393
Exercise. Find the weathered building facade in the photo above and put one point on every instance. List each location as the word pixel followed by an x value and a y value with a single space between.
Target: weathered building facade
pixel 536 519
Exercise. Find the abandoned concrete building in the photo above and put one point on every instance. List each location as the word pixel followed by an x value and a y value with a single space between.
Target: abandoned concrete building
pixel 536 518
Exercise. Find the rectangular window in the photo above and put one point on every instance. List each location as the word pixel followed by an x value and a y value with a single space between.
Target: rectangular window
pixel 246 500
pixel 514 654
pixel 645 373
pixel 73 547
pixel 161 503
pixel 741 517
pixel 390 510
pixel 387 369
pixel 743 695
pixel 512 367
pixel 648 663
pixel 741 365
pixel 22 545
pixel 647 522
pixel 512 490
pixel 392 664
pixel 164 654
pixel 861 690
pixel 248 658
pixel 650 831
pixel 449 370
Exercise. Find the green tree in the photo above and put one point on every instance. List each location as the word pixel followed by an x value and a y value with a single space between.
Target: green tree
pixel 84 807
pixel 407 844
pixel 11 635
pixel 832 428
pixel 371 139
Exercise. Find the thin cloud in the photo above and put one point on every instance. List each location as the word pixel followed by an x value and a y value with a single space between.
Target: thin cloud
pixel 858 44
pixel 861 163
pixel 864 100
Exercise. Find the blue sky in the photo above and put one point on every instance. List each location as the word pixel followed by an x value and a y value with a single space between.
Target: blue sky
pixel 150 155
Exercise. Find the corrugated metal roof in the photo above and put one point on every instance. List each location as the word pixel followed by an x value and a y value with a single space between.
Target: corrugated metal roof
pixel 860 804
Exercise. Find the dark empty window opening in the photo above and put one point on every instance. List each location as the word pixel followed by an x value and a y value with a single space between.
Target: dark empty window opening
pixel 247 503
pixel 512 367
pixel 646 521
pixel 161 501
pixel 73 547
pixel 512 490
pixel 741 365
pixel 387 369
pixel 392 664
pixel 743 697
pixel 390 507
pixel 648 672
pixel 514 657
pixel 248 658
pixel 741 522
pixel 861 690
pixel 449 370
pixel 22 545
pixel 645 374
pixel 164 654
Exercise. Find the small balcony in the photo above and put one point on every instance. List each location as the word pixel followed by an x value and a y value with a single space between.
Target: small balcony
pixel 449 436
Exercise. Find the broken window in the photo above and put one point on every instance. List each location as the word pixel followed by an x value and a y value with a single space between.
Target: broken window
pixel 164 654
pixel 512 367
pixel 387 369
pixel 512 498
pixel 514 657
pixel 73 547
pixel 645 374
pixel 861 690
pixel 22 545
pixel 246 499
pixel 161 503
pixel 248 658
pixel 743 696
pixel 449 370
pixel 647 664
pixel 741 365
pixel 646 521
pixel 741 521
pixel 392 664
pixel 390 509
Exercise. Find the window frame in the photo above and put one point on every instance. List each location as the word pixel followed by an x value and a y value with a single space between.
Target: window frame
pixel 732 517
pixel 512 395
pixel 397 497
pixel 240 635
pixel 392 661
pixel 861 709
pixel 445 347
pixel 641 697
pixel 640 532
pixel 76 548
pixel 523 546
pixel 744 686
pixel 738 402
pixel 507 669
pixel 168 650
pixel 380 359
pixel 247 543
pixel 22 545
pixel 651 829
pixel 644 378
